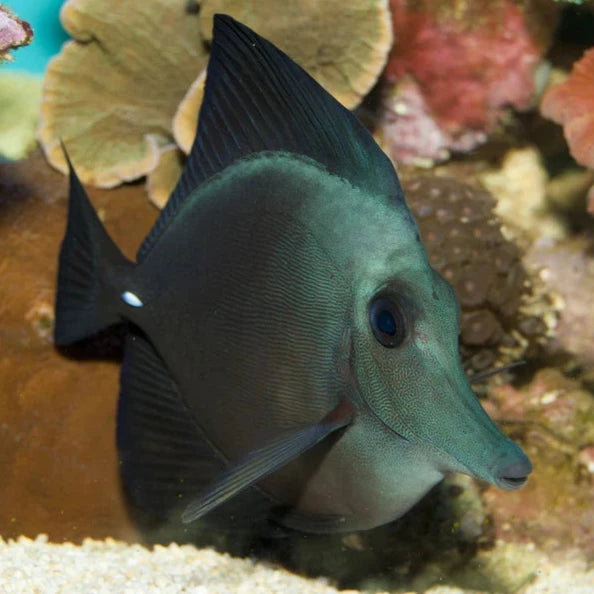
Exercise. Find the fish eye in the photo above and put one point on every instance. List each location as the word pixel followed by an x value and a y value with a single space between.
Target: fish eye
pixel 387 322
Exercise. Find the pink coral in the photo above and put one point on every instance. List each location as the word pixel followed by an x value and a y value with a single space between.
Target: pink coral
pixel 467 63
pixel 14 32
pixel 571 104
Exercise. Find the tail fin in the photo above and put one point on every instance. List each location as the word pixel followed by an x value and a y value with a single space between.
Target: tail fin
pixel 85 303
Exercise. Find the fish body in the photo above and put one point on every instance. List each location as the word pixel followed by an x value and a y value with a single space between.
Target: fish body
pixel 291 356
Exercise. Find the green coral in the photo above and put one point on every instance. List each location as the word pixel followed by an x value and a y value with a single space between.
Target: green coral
pixel 20 97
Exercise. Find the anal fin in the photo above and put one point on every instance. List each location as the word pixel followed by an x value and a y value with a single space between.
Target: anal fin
pixel 165 459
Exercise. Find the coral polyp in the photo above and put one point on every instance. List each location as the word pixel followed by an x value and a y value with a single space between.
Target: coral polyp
pixel 505 313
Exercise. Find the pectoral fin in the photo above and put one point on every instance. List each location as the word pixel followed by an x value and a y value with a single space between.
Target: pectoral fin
pixel 264 461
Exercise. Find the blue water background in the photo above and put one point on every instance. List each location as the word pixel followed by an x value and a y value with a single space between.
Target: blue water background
pixel 44 17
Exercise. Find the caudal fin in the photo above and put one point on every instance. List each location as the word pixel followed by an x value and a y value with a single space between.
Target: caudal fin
pixel 85 301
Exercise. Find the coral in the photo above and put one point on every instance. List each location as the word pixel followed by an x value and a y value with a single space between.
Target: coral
pixel 41 317
pixel 132 79
pixel 185 120
pixel 567 190
pixel 344 46
pixel 346 63
pixel 408 131
pixel 111 93
pixel 162 179
pixel 567 267
pixel 505 568
pixel 519 186
pixel 468 61
pixel 571 104
pixel 14 33
pixel 20 96
pixel 505 314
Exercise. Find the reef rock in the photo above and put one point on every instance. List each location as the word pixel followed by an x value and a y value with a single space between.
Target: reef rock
pixel 506 313
pixel 553 418
pixel 567 268
pixel 58 459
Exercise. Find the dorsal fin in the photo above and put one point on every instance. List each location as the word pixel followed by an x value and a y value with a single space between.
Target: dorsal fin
pixel 257 99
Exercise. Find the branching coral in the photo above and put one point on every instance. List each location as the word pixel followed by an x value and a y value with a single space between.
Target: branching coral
pixel 571 104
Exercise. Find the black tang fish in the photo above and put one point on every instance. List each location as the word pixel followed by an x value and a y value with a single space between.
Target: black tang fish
pixel 290 354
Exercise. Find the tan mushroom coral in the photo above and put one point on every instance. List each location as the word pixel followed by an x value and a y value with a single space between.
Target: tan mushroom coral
pixel 185 120
pixel 110 95
pixel 162 179
pixel 343 45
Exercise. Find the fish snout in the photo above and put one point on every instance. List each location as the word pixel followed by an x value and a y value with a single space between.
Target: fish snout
pixel 512 469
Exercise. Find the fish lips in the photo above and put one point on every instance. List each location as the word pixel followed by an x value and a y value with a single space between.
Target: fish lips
pixel 512 476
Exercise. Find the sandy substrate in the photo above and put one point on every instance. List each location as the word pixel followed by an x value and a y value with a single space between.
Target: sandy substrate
pixel 36 566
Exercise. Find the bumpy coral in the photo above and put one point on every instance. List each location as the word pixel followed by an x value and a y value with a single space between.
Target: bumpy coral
pixel 504 315
pixel 571 104
pixel 463 62
pixel 14 33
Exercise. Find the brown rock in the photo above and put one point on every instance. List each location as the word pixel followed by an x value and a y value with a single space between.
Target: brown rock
pixel 57 430
pixel 553 418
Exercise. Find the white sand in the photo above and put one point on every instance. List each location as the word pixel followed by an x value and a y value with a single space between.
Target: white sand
pixel 98 567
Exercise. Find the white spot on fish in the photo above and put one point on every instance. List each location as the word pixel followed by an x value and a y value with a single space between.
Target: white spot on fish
pixel 132 299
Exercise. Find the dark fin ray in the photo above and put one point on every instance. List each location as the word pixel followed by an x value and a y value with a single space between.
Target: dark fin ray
pixel 84 303
pixel 265 460
pixel 165 460
pixel 257 99
pixel 314 523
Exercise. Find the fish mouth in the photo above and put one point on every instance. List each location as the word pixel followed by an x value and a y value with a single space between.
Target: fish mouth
pixel 514 476
pixel 511 483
